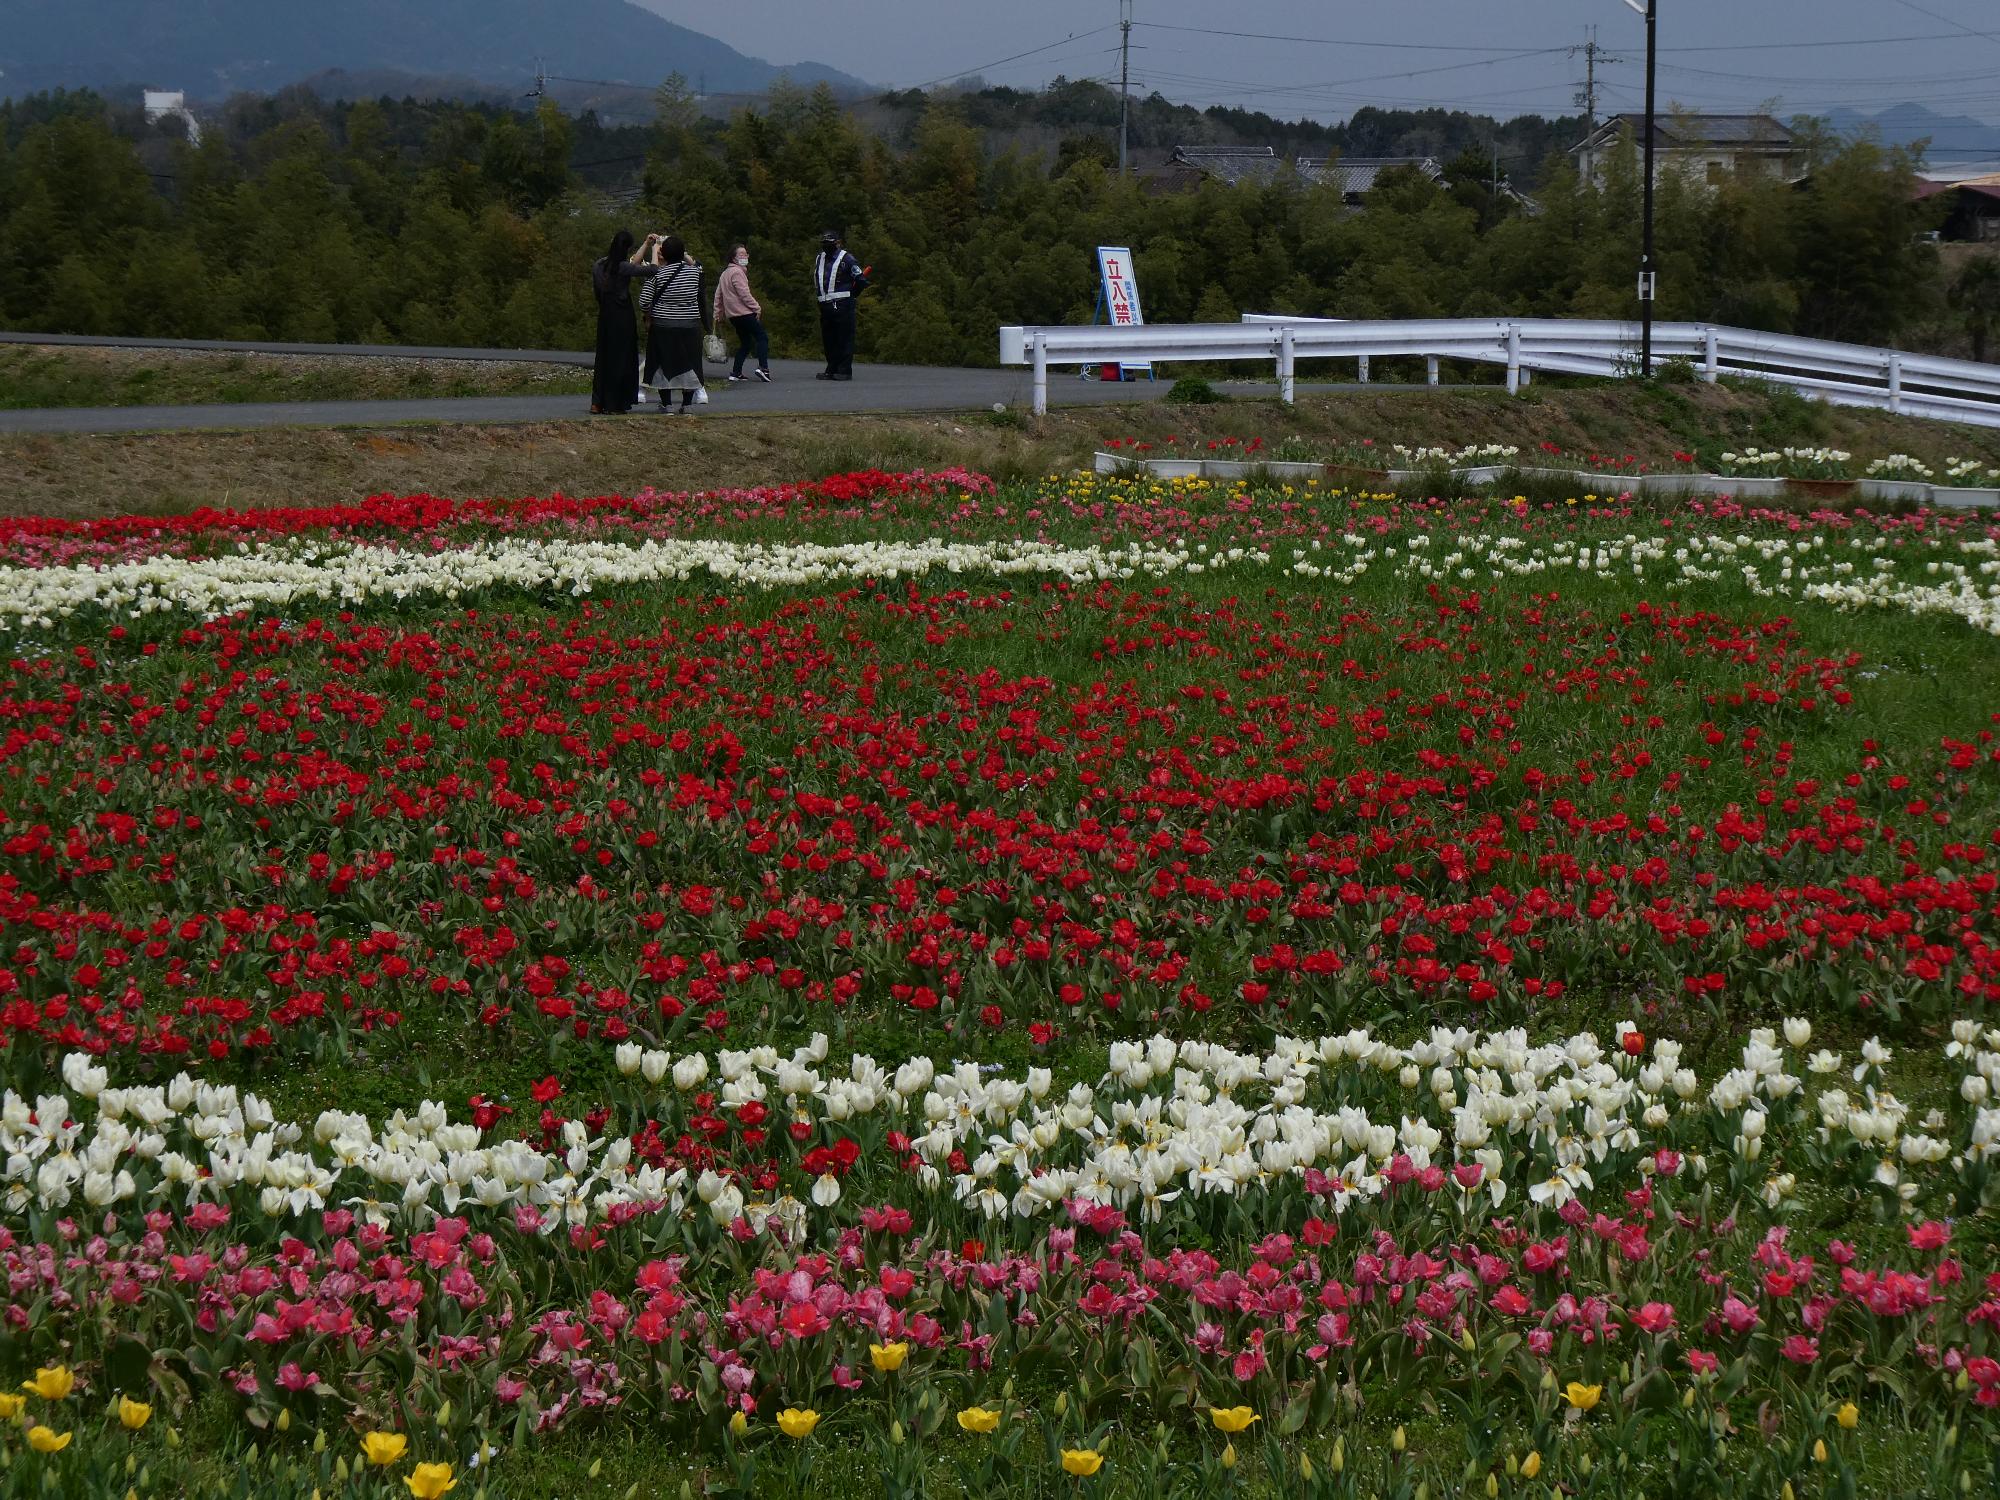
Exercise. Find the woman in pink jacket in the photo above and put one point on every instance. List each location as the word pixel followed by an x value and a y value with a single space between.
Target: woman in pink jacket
pixel 734 302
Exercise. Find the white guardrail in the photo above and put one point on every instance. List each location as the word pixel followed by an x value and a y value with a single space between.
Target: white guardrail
pixel 1920 385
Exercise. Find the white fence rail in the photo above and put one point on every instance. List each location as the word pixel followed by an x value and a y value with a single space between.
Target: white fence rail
pixel 1922 385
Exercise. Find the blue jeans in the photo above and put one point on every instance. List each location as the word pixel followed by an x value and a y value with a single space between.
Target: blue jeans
pixel 750 334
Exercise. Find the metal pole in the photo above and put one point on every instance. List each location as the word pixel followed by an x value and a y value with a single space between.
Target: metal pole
pixel 1647 282
pixel 1513 358
pixel 1896 383
pixel 1124 79
pixel 1041 354
pixel 1430 369
pixel 1361 373
pixel 1711 355
pixel 1287 364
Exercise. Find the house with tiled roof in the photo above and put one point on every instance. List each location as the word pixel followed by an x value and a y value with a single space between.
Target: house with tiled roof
pixel 1707 148
pixel 1971 202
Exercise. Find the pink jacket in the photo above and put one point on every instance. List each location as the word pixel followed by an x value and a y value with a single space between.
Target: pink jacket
pixel 732 294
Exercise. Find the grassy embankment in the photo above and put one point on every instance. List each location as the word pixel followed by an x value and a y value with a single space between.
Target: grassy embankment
pixel 86 475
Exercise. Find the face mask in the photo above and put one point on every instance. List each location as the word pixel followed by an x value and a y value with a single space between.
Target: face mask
pixel 742 260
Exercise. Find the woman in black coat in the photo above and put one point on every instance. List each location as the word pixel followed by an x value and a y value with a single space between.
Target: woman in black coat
pixel 615 380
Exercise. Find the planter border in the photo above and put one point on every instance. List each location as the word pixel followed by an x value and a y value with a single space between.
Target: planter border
pixel 1740 486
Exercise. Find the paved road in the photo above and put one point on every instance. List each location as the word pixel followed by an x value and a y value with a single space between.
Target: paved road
pixel 875 388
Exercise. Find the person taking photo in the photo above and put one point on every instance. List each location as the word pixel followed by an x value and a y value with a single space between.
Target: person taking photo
pixel 613 383
pixel 677 315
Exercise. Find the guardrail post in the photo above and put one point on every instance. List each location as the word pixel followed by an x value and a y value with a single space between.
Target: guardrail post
pixel 1711 355
pixel 1430 369
pixel 1041 355
pixel 1896 383
pixel 1361 372
pixel 1287 364
pixel 1513 359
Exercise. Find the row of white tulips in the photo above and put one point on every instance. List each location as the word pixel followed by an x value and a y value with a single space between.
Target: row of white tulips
pixel 1167 1119
pixel 1934 574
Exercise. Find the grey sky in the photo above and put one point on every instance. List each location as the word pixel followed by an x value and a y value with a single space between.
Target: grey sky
pixel 1752 51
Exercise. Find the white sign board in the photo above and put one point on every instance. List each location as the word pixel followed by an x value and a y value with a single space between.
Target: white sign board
pixel 1121 292
pixel 1121 287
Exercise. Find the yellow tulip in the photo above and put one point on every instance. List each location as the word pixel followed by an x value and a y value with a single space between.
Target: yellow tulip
pixel 51 1383
pixel 978 1419
pixel 1233 1419
pixel 739 1424
pixel 794 1423
pixel 1399 1440
pixel 1849 1416
pixel 1228 1455
pixel 10 1406
pixel 428 1481
pixel 46 1440
pixel 383 1448
pixel 1819 1450
pixel 133 1414
pixel 888 1358
pixel 1531 1465
pixel 1583 1397
pixel 1082 1462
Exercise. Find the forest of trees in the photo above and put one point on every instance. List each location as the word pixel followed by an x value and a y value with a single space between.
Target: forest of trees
pixel 406 222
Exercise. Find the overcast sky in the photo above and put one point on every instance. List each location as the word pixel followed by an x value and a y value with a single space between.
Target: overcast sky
pixel 1312 59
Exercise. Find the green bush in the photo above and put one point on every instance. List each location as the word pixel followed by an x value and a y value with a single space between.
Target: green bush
pixel 1192 390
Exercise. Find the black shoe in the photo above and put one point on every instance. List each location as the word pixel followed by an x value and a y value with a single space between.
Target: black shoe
pixel 825 375
pixel 765 376
pixel 840 377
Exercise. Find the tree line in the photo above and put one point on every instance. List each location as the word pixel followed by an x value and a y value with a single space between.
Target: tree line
pixel 438 223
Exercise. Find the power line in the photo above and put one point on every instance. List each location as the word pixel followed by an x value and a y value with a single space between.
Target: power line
pixel 1991 36
pixel 1325 41
pixel 1859 41
pixel 1075 36
pixel 1313 41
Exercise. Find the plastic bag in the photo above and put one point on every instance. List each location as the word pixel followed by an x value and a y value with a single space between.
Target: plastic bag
pixel 713 349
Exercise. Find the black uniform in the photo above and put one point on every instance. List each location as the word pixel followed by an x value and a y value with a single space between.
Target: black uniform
pixel 837 281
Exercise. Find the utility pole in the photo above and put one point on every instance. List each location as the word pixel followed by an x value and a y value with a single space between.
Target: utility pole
pixel 540 92
pixel 1124 81
pixel 1648 284
pixel 1587 95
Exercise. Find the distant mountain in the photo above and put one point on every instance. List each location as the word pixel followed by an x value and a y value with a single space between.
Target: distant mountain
pixel 213 48
pixel 1952 137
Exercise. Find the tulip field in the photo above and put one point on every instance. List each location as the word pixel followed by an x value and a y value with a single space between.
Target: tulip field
pixel 902 985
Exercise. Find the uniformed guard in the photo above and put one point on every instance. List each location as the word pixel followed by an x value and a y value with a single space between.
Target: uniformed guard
pixel 838 279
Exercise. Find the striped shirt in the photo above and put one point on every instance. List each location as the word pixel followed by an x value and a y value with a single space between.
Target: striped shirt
pixel 673 298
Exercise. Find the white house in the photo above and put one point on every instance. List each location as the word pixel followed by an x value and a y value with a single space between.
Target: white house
pixel 161 104
pixel 1708 148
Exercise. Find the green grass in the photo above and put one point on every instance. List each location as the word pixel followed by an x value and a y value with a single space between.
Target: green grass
pixel 33 378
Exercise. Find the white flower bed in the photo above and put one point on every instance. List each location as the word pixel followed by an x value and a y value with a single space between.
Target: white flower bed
pixel 1956 577
pixel 1563 1119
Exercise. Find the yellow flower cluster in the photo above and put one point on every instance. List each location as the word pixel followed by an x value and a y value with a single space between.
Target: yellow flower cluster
pixel 425 1481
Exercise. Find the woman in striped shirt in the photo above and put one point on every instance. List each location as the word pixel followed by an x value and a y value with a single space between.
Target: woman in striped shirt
pixel 676 318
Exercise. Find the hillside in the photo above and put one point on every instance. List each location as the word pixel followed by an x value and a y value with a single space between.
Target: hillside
pixel 213 48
